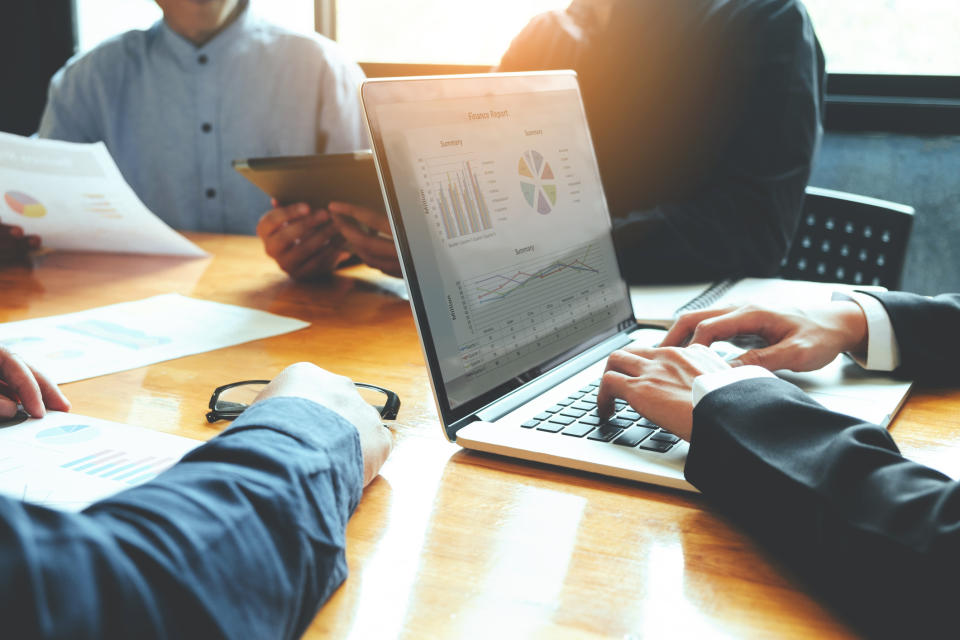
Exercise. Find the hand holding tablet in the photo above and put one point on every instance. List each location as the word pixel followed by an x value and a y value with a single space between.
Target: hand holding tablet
pixel 326 207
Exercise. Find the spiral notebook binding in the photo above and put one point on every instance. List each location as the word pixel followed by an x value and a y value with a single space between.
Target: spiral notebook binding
pixel 713 293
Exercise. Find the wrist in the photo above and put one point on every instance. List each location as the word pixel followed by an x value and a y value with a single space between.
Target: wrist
pixel 852 322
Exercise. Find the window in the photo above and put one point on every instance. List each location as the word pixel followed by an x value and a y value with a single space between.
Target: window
pixel 434 31
pixel 98 20
pixel 893 37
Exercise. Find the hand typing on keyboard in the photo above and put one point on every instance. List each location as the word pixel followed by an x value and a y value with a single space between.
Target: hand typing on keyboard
pixel 577 416
pixel 657 383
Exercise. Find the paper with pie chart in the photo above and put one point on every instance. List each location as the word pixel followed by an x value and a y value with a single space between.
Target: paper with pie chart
pixel 537 182
pixel 74 197
pixel 67 461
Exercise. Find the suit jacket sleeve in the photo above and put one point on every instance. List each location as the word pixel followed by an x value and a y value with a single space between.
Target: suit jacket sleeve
pixel 243 538
pixel 876 534
pixel 927 333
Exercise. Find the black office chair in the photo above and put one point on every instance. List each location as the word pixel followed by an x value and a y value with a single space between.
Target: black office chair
pixel 848 238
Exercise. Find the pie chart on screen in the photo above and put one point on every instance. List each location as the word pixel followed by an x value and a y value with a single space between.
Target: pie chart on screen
pixel 537 182
pixel 24 205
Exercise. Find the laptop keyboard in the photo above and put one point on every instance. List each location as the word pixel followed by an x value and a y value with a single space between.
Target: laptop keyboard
pixel 576 416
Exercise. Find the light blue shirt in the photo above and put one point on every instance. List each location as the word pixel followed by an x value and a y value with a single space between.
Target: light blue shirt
pixel 174 116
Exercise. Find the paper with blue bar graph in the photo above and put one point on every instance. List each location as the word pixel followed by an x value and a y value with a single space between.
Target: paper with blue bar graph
pixel 128 335
pixel 67 461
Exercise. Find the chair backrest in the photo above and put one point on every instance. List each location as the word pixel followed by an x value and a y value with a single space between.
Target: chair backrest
pixel 849 238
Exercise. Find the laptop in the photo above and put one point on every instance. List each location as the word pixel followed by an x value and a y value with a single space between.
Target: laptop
pixel 505 240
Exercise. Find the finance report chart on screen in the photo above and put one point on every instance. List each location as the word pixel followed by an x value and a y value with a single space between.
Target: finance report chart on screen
pixel 505 218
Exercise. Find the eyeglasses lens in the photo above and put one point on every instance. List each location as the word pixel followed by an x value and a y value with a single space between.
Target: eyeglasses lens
pixel 236 399
pixel 373 397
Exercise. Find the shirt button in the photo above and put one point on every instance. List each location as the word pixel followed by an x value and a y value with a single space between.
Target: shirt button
pixel 211 193
pixel 202 58
pixel 206 127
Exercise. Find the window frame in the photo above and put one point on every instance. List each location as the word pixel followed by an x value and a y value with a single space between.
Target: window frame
pixel 912 104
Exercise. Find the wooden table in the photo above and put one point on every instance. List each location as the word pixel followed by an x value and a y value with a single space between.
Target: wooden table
pixel 449 543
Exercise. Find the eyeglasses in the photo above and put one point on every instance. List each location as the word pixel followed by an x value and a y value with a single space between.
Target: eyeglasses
pixel 230 400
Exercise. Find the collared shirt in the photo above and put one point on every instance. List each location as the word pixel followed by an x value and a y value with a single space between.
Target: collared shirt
pixel 174 115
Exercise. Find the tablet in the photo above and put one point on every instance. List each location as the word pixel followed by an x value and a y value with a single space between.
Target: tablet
pixel 317 179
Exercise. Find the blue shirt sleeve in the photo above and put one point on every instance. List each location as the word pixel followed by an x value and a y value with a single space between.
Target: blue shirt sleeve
pixel 245 537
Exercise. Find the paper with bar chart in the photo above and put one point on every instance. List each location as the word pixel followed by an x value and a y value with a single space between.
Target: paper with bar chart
pixel 515 261
pixel 128 335
pixel 74 197
pixel 67 461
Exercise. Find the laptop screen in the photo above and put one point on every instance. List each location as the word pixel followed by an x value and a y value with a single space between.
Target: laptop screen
pixel 504 232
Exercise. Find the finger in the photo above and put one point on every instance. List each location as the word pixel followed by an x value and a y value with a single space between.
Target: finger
pixel 613 385
pixel 11 230
pixel 302 236
pixel 390 266
pixel 641 351
pixel 320 263
pixel 773 358
pixel 622 362
pixel 684 326
pixel 19 378
pixel 53 398
pixel 370 217
pixel 278 217
pixel 366 244
pixel 8 407
pixel 739 322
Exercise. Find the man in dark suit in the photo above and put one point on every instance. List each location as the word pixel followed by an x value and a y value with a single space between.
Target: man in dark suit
pixel 705 116
pixel 877 534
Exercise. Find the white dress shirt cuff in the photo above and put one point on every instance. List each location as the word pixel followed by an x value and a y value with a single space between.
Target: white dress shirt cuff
pixel 704 384
pixel 883 351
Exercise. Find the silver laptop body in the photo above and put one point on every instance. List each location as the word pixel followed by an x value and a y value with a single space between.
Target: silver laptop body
pixel 495 200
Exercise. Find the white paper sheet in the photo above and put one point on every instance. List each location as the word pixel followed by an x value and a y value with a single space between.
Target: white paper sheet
pixel 67 461
pixel 128 335
pixel 73 196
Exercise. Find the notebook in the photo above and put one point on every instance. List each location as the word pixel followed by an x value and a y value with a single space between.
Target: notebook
pixel 505 241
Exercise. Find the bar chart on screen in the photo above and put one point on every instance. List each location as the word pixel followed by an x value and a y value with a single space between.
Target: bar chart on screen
pixel 463 195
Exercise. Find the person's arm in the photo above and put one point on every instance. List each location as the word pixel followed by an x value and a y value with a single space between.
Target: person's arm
pixel 71 112
pixel 878 535
pixel 909 334
pixel 340 123
pixel 926 333
pixel 243 538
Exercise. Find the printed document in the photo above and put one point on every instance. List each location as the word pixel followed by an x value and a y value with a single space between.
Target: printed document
pixel 74 197
pixel 128 335
pixel 67 461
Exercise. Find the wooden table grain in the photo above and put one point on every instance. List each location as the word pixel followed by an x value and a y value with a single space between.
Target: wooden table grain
pixel 448 543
